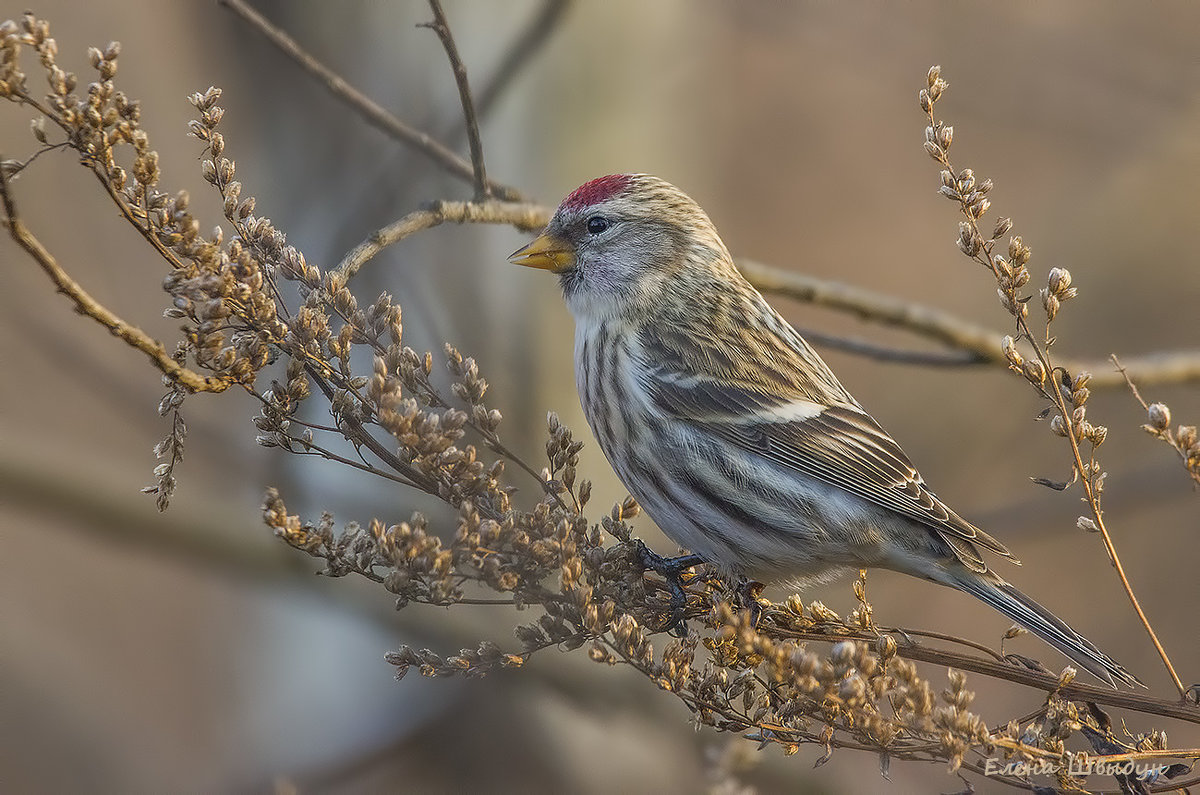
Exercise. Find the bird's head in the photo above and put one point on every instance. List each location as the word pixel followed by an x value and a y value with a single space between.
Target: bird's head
pixel 624 243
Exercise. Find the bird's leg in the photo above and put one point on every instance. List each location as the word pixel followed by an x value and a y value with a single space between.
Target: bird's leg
pixel 671 570
pixel 748 591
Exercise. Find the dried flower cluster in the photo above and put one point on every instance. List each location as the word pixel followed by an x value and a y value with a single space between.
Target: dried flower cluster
pixel 738 678
pixel 801 675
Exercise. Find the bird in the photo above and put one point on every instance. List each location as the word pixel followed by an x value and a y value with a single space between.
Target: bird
pixel 729 429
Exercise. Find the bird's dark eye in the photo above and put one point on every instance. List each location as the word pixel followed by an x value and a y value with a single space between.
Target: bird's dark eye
pixel 597 224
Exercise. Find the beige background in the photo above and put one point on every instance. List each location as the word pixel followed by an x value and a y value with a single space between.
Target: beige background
pixel 190 652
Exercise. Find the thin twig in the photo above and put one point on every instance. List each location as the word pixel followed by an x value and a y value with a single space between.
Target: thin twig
pixel 441 26
pixel 877 308
pixel 1129 381
pixel 884 353
pixel 1167 367
pixel 356 433
pixel 13 168
pixel 373 112
pixel 86 305
pixel 1179 441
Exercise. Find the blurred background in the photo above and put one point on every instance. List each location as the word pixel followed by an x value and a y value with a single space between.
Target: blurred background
pixel 191 652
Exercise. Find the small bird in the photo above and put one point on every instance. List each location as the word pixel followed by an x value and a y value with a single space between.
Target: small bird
pixel 729 429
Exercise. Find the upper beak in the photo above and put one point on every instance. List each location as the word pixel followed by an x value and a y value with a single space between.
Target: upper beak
pixel 546 252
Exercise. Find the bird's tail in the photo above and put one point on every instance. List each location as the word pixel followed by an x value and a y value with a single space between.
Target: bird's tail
pixel 1047 626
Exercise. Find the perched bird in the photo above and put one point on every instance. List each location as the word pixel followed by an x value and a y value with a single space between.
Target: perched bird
pixel 731 432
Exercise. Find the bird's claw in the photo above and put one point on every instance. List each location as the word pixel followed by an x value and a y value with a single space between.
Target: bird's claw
pixel 748 591
pixel 671 570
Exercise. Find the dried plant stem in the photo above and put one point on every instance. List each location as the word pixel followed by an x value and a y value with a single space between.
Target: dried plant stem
pixel 773 732
pixel 86 305
pixel 441 26
pixel 1089 490
pixel 1094 503
pixel 980 248
pixel 366 107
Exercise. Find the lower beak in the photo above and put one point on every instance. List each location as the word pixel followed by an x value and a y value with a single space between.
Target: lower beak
pixel 546 252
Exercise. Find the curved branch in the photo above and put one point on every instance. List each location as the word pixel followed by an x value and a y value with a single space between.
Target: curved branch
pixel 525 217
pixel 86 305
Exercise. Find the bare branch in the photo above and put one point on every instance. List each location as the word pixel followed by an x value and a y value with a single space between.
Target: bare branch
pixel 441 27
pixel 86 305
pixel 525 217
pixel 370 110
pixel 983 343
pixel 883 353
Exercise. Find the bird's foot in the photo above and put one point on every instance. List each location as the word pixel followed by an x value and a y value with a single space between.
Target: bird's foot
pixel 748 591
pixel 671 570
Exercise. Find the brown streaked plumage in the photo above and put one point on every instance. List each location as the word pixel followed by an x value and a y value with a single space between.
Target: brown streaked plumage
pixel 726 425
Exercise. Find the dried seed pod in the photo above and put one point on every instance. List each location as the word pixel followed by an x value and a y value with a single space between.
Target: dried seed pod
pixel 1059 281
pixel 1035 372
pixel 1010 351
pixel 1050 303
pixel 1058 426
pixel 968 240
pixel 1160 416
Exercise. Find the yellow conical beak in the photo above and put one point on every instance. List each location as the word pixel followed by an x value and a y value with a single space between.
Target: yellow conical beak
pixel 547 252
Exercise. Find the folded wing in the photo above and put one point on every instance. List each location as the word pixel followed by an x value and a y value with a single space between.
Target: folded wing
pixel 834 442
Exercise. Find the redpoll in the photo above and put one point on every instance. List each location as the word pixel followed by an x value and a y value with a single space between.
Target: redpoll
pixel 728 428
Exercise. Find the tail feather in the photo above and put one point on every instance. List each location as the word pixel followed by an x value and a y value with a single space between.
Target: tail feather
pixel 1049 627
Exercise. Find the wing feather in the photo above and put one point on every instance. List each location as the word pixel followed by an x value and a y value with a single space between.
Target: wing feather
pixel 839 444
